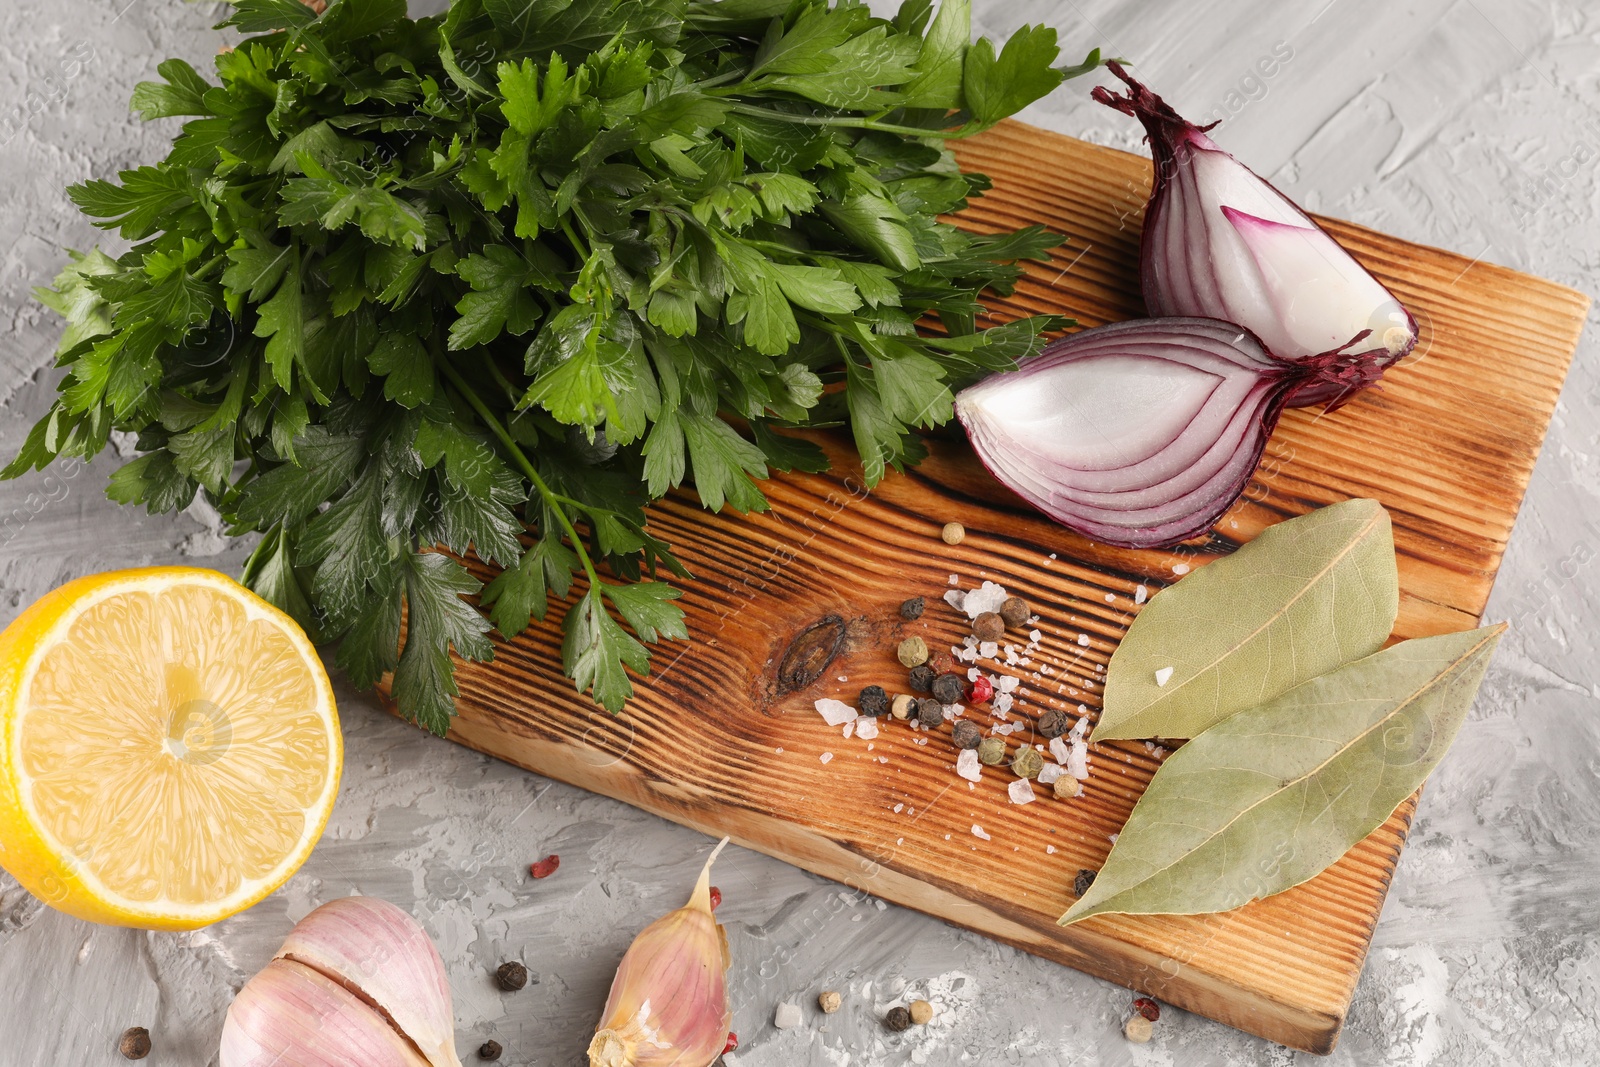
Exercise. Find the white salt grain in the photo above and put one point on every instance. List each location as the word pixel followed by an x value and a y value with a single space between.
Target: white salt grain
pixel 1083 639
pixel 849 728
pixel 1002 703
pixel 987 597
pixel 973 674
pixel 1005 683
pixel 867 727
pixel 898 808
pixel 1078 761
pixel 1021 791
pixel 1050 772
pixel 955 598
pixel 787 1017
pixel 1140 594
pixel 1163 676
pixel 967 765
pixel 977 831
pixel 967 655
pixel 955 579
pixel 825 757
pixel 835 712
pixel 988 649
pixel 1059 749
pixel 1049 850
pixel 1035 636
pixel 1111 598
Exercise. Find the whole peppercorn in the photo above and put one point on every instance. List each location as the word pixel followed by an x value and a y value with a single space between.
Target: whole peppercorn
pixel 873 700
pixel 1066 787
pixel 982 690
pixel 901 706
pixel 1085 879
pixel 1147 1007
pixel 511 976
pixel 489 1050
pixel 992 751
pixel 1015 611
pixel 912 609
pixel 913 652
pixel 1028 763
pixel 1138 1029
pixel 930 713
pixel 829 1002
pixel 967 734
pixel 949 688
pixel 731 1044
pixel 135 1043
pixel 1052 724
pixel 943 663
pixel 716 898
pixel 921 1012
pixel 922 678
pixel 953 533
pixel 988 627
pixel 898 1019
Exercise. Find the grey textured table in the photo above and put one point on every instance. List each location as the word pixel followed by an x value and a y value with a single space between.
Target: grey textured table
pixel 1472 125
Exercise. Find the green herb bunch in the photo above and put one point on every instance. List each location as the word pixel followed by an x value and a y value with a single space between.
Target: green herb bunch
pixel 497 279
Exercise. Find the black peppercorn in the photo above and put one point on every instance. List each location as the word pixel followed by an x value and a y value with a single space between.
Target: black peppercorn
pixel 1015 611
pixel 1052 724
pixel 967 734
pixel 988 627
pixel 135 1043
pixel 511 976
pixel 898 1019
pixel 873 701
pixel 1081 884
pixel 912 609
pixel 930 713
pixel 922 678
pixel 949 688
pixel 489 1050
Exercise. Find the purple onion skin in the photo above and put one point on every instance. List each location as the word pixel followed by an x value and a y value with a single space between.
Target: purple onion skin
pixel 1173 143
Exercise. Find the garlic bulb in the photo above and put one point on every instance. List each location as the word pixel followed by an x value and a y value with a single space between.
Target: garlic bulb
pixel 669 1001
pixel 357 983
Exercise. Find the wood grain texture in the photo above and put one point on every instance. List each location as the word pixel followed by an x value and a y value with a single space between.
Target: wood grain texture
pixel 715 741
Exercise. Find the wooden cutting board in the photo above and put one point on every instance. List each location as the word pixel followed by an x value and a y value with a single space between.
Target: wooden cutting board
pixel 789 604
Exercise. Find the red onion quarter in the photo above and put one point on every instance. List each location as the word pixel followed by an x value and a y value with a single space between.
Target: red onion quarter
pixel 1138 434
pixel 1221 242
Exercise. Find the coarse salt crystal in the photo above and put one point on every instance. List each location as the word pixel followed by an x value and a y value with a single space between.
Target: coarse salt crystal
pixel 1035 636
pixel 898 808
pixel 1078 760
pixel 977 831
pixel 988 649
pixel 967 655
pixel 867 727
pixel 1180 569
pixel 825 757
pixel 967 765
pixel 844 677
pixel 1059 749
pixel 849 728
pixel 787 1017
pixel 1163 676
pixel 955 598
pixel 1140 594
pixel 1083 639
pixel 1002 703
pixel 1049 850
pixel 1006 683
pixel 1004 731
pixel 835 712
pixel 1021 791
pixel 883 759
pixel 987 597
pixel 1050 772
pixel 1112 838
pixel 973 674
pixel 1111 598
pixel 955 579
pixel 1052 555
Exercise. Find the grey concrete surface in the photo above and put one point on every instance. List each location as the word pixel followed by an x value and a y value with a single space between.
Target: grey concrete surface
pixel 1470 124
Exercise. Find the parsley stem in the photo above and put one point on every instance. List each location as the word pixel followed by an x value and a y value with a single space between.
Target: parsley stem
pixel 847 121
pixel 551 498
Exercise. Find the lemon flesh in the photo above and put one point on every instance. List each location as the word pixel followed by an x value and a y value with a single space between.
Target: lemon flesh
pixel 171 751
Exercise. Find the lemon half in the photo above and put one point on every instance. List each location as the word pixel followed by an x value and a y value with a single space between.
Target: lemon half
pixel 169 748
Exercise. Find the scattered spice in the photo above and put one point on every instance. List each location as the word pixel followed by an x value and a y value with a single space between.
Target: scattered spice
pixel 1081 884
pixel 953 533
pixel 1052 724
pixel 949 688
pixel 913 608
pixel 716 897
pixel 988 626
pixel 922 678
pixel 787 1017
pixel 135 1043
pixel 873 701
pixel 511 976
pixel 982 690
pixel 1015 611
pixel 898 1018
pixel 913 651
pixel 943 663
pixel 1028 763
pixel 967 734
pixel 1147 1007
pixel 901 706
pixel 1138 1029
pixel 544 868
pixel 1066 788
pixel 489 1050
pixel 930 713
pixel 733 1043
pixel 921 1012
pixel 992 751
pixel 829 1002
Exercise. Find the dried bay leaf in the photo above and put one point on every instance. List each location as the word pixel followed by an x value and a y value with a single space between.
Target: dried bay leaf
pixel 1272 796
pixel 1305 596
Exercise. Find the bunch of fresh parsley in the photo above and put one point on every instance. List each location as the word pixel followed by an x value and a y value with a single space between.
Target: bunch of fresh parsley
pixel 495 280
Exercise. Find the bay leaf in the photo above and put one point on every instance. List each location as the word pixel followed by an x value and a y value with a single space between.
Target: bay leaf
pixel 1272 796
pixel 1305 596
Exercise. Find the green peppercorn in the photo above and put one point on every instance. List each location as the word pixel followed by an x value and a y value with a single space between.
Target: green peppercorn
pixel 992 751
pixel 912 609
pixel 949 688
pixel 967 734
pixel 988 627
pixel 930 713
pixel 922 678
pixel 913 651
pixel 1015 611
pixel 1027 763
pixel 1052 724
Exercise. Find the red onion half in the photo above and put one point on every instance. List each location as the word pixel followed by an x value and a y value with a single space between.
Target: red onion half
pixel 1138 434
pixel 1220 242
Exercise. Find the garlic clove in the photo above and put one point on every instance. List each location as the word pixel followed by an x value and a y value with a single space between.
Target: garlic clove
pixel 669 1001
pixel 290 1014
pixel 386 958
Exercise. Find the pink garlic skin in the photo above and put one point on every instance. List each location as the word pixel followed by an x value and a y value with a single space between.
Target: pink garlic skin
pixel 290 1014
pixel 1220 242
